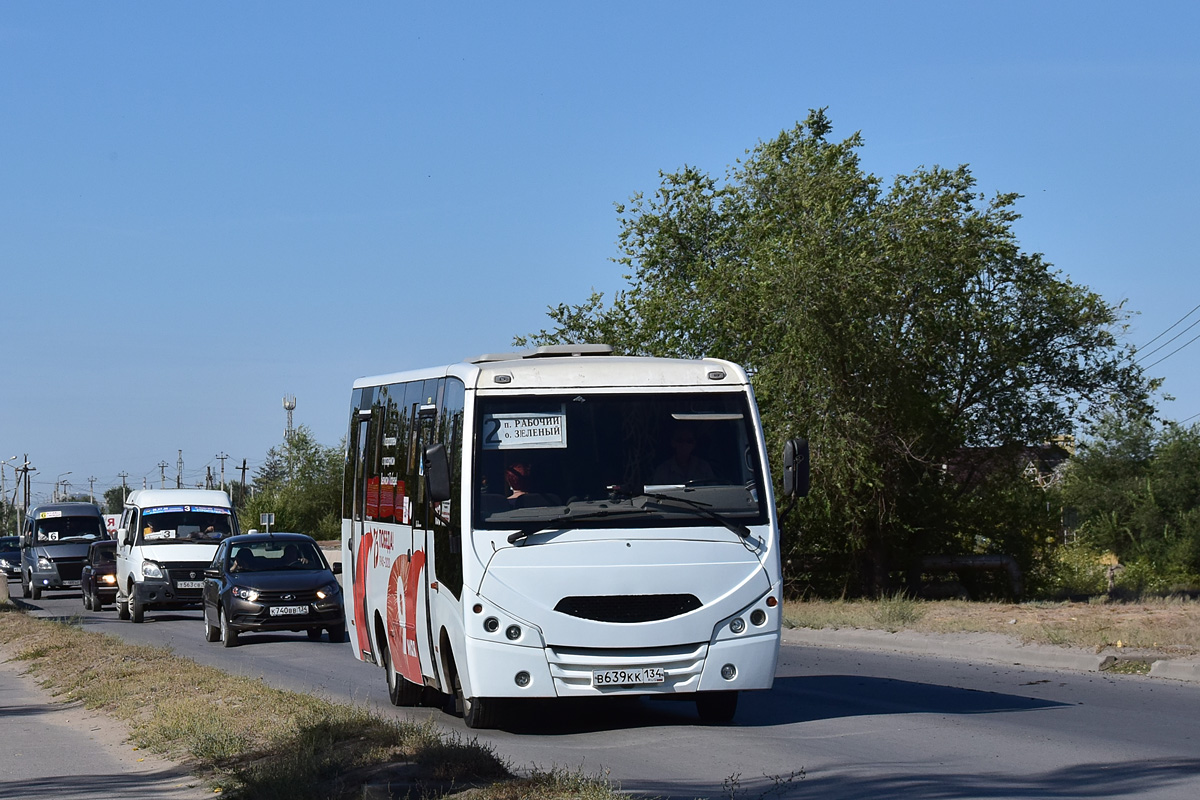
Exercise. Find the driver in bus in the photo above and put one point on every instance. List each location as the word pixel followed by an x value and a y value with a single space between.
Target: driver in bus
pixel 684 466
pixel 522 494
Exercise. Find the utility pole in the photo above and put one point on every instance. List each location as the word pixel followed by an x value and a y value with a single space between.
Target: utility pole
pixel 124 486
pixel 208 477
pixel 222 455
pixel 162 474
pixel 25 469
pixel 179 471
pixel 243 468
pixel 92 489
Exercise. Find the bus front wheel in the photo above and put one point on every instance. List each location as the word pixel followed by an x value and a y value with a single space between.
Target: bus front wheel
pixel 479 712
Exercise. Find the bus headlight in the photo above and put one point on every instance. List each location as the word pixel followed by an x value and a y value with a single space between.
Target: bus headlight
pixel 737 625
pixel 513 632
pixel 491 624
pixel 152 570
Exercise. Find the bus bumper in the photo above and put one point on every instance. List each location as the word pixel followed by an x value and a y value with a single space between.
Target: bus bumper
pixel 507 670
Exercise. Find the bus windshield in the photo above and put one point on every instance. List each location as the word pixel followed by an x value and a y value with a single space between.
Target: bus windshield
pixel 60 528
pixel 185 524
pixel 608 460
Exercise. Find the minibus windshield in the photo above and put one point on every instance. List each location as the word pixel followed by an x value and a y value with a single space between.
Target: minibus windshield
pixel 597 457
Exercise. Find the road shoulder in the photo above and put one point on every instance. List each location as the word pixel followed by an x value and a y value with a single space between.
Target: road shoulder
pixel 984 647
pixel 63 750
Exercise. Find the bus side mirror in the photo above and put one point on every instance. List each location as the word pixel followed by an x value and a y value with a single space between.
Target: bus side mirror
pixel 123 536
pixel 795 468
pixel 26 541
pixel 437 473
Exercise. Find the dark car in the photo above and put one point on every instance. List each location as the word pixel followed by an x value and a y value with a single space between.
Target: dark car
pixel 272 582
pixel 10 556
pixel 98 581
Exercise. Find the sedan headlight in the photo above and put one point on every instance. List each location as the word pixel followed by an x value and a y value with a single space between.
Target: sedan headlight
pixel 109 579
pixel 328 591
pixel 244 594
pixel 152 570
pixel 5 565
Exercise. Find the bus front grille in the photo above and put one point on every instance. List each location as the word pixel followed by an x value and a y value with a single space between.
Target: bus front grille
pixel 628 607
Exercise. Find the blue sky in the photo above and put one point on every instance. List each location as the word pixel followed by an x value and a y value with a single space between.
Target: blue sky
pixel 206 206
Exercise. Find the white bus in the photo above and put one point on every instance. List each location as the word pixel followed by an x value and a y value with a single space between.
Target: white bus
pixel 563 523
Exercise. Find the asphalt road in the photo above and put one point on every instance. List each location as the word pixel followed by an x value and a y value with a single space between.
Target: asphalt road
pixel 838 724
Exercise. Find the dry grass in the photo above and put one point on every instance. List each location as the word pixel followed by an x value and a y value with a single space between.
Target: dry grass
pixel 250 740
pixel 1167 626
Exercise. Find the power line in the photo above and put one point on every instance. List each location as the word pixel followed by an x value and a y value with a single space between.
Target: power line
pixel 1173 352
pixel 1168 330
pixel 1168 341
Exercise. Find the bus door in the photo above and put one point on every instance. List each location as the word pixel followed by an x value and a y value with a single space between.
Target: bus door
pixel 359 541
pixel 423 538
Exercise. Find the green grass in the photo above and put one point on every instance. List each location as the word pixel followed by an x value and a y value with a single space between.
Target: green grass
pixel 247 739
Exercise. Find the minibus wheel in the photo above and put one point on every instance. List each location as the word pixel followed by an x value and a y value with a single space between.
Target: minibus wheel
pixel 401 691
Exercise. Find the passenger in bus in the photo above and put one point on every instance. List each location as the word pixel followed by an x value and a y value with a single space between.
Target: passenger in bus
pixel 522 488
pixel 684 466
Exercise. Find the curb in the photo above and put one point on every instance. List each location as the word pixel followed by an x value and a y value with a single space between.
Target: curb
pixel 1182 669
pixel 976 647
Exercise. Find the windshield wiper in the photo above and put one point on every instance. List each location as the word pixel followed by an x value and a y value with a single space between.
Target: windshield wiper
pixel 543 524
pixel 704 508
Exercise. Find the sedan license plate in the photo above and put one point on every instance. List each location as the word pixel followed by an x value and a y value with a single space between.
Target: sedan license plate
pixel 628 677
pixel 189 584
pixel 283 611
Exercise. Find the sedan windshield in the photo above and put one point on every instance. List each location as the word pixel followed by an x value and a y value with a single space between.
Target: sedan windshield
pixel 272 556
pixel 588 460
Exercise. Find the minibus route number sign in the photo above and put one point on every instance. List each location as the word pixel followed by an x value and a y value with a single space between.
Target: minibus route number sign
pixel 516 431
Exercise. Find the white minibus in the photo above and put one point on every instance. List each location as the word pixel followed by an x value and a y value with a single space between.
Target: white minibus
pixel 563 523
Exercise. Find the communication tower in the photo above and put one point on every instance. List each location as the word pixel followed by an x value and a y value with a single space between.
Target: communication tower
pixel 289 404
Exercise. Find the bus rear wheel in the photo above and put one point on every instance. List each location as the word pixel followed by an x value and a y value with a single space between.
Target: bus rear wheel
pixel 401 691
pixel 716 706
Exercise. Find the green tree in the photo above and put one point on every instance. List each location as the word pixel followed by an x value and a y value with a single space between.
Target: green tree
pixel 114 500
pixel 301 483
pixel 902 330
pixel 1135 488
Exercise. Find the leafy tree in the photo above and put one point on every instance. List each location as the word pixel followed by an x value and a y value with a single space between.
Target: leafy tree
pixel 1136 490
pixel 902 330
pixel 114 500
pixel 301 483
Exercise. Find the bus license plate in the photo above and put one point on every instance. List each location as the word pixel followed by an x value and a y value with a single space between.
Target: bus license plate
pixel 628 677
pixel 189 584
pixel 282 611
